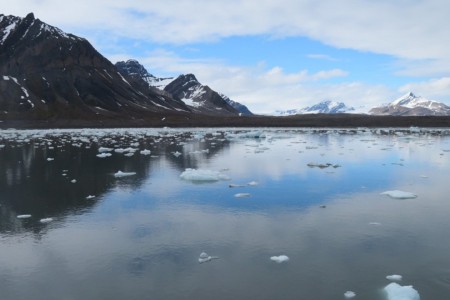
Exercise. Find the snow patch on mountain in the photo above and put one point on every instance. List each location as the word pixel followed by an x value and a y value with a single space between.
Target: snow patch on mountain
pixel 412 105
pixel 324 107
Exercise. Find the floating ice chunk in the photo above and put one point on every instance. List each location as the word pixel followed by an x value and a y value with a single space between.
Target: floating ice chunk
pixel 279 259
pixel 349 294
pixel 203 175
pixel 395 291
pixel 104 154
pixel 104 149
pixel 73 181
pixel 375 223
pixel 23 216
pixel 399 194
pixel 145 152
pixel 123 174
pixel 129 154
pixel 176 153
pixel 90 197
pixel 235 185
pixel 394 277
pixel 242 195
pixel 204 257
pixel 253 183
pixel 50 159
pixel 46 220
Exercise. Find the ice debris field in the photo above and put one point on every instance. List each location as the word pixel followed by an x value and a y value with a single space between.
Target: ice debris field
pixel 192 144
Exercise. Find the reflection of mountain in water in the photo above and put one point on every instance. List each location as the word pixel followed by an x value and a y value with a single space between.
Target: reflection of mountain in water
pixel 32 183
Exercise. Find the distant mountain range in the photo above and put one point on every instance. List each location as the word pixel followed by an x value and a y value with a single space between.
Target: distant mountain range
pixel 407 105
pixel 47 73
pixel 324 107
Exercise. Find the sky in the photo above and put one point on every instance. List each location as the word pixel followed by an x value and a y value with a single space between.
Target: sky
pixel 272 54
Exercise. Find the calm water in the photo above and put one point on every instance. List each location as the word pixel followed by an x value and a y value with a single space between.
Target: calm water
pixel 140 237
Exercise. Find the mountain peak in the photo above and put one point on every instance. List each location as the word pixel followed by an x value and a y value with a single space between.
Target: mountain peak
pixel 30 16
pixel 323 107
pixel 131 67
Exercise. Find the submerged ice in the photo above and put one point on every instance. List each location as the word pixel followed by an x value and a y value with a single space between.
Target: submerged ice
pixel 395 291
pixel 204 257
pixel 396 194
pixel 203 175
pixel 279 259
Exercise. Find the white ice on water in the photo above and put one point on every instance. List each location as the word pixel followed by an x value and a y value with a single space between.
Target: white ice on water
pixel 394 277
pixel 242 195
pixel 90 197
pixel 104 154
pixel 203 175
pixel 104 149
pixel 279 259
pixel 349 294
pixel 145 152
pixel 204 257
pixel 23 216
pixel 46 220
pixel 123 174
pixel 395 291
pixel 396 194
pixel 253 183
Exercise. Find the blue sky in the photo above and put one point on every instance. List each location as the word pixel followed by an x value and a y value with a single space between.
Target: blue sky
pixel 272 55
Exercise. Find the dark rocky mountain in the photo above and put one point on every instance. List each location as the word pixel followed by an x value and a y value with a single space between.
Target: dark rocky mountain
pixel 243 110
pixel 187 88
pixel 47 73
pixel 412 105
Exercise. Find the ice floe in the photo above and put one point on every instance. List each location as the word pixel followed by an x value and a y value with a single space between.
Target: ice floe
pixel 145 152
pixel 279 259
pixel 204 257
pixel 50 159
pixel 73 181
pixel 395 291
pixel 203 175
pixel 123 174
pixel 394 277
pixel 349 294
pixel 46 220
pixel 253 183
pixel 23 216
pixel 104 154
pixel 396 194
pixel 90 197
pixel 104 149
pixel 242 195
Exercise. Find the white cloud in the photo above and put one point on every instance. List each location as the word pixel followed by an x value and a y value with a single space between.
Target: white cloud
pixel 437 89
pixel 321 56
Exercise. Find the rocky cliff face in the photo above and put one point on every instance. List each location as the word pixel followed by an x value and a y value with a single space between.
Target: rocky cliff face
pixel 45 72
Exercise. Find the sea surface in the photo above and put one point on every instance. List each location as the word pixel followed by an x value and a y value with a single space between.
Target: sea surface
pixel 73 227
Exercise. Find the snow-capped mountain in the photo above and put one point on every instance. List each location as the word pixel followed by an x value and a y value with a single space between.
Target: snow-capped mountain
pixel 324 107
pixel 198 97
pixel 46 72
pixel 412 105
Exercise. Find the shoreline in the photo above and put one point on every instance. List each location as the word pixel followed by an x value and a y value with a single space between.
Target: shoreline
pixel 177 121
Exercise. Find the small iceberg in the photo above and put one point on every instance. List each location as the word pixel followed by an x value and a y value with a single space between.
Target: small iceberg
pixel 242 195
pixel 90 197
pixel 23 216
pixel 394 277
pixel 104 149
pixel 399 194
pixel 73 181
pixel 123 174
pixel 176 153
pixel 46 220
pixel 50 159
pixel 104 154
pixel 253 183
pixel 145 152
pixel 395 291
pixel 279 259
pixel 204 257
pixel 349 294
pixel 203 175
